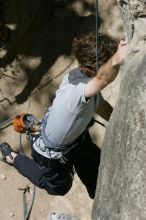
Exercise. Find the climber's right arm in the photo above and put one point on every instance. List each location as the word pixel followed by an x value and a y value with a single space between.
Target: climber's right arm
pixel 107 72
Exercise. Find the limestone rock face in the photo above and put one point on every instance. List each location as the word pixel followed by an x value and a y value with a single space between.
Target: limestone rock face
pixel 130 11
pixel 121 186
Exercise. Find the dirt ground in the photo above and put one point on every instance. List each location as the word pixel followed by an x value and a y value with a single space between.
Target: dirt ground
pixel 28 84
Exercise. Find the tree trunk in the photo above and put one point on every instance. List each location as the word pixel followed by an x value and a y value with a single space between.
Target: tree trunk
pixel 121 187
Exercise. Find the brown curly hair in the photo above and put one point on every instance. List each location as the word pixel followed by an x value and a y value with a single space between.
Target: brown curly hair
pixel 84 50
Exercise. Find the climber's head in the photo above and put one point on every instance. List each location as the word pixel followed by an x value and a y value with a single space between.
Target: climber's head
pixel 84 50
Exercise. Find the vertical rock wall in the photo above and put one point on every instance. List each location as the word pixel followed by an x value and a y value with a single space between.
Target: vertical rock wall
pixel 121 187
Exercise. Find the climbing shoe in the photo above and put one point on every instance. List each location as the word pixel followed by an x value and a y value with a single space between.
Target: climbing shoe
pixel 5 150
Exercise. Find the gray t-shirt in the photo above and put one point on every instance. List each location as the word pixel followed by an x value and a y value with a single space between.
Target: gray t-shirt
pixel 68 116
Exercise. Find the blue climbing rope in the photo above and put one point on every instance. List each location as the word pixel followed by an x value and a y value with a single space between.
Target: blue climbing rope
pixel 26 210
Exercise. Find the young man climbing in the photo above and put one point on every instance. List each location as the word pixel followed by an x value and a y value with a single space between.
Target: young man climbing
pixel 64 143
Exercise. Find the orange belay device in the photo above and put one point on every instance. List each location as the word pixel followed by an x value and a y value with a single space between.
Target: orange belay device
pixel 25 123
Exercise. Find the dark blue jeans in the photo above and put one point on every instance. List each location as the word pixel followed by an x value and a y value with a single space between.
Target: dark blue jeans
pixel 55 177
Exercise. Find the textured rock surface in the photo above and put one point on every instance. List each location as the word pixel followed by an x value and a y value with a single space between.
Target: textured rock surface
pixel 131 10
pixel 121 187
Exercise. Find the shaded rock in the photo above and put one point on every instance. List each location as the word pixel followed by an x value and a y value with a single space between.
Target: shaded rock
pixel 121 187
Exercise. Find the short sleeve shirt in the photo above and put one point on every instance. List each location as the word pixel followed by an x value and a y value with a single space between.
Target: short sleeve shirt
pixel 70 113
